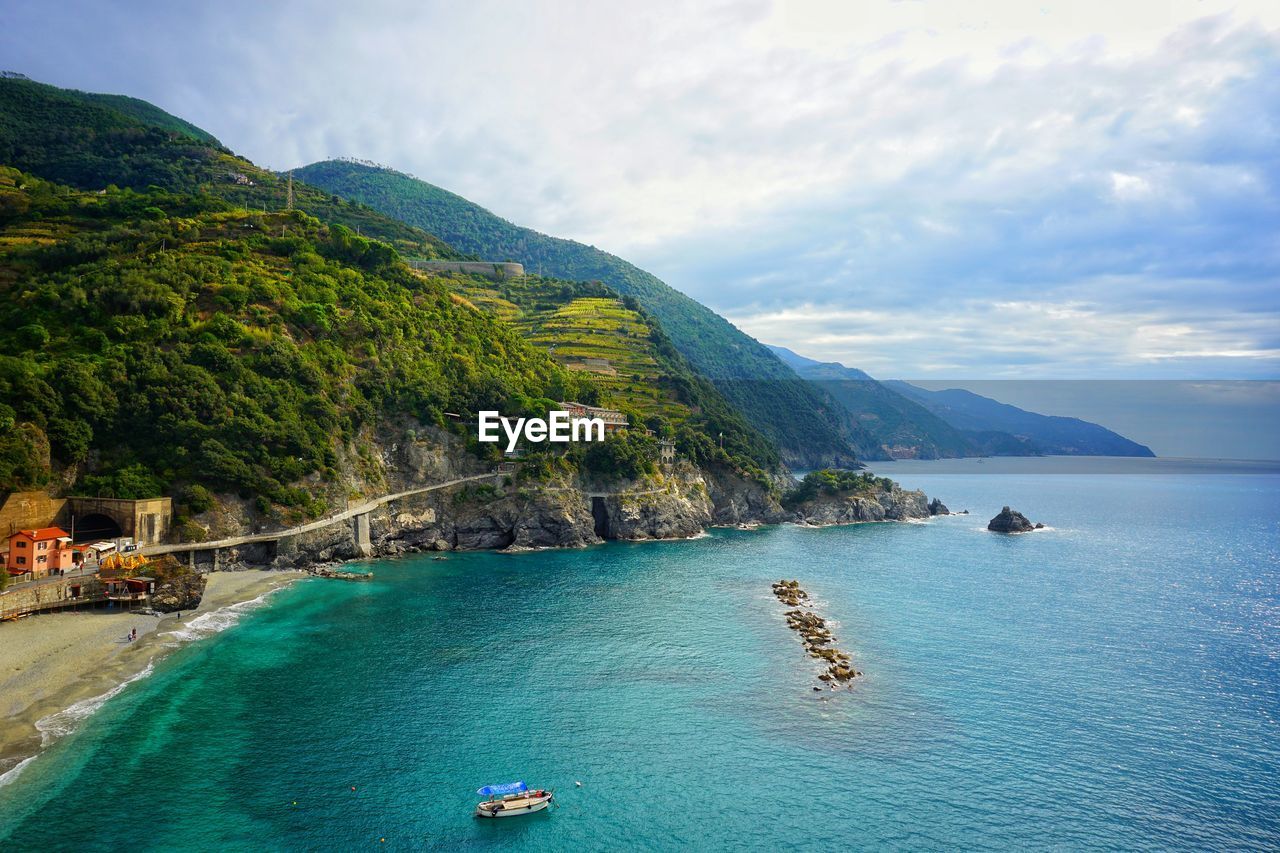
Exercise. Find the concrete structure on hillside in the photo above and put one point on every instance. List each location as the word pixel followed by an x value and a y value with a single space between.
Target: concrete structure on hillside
pixel 146 521
pixel 88 519
pixel 498 271
pixel 20 510
pixel 613 420
pixel 666 452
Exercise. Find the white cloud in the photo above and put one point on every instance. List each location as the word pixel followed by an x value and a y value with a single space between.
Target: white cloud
pixel 1071 340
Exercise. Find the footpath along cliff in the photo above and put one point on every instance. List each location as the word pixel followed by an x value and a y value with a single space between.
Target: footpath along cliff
pixel 513 512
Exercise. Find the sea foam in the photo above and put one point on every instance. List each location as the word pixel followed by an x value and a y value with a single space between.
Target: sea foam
pixel 217 621
pixel 64 722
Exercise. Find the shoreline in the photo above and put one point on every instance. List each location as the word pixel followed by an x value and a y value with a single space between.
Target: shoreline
pixel 59 668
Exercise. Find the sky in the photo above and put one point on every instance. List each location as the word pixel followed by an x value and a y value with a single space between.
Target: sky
pixel 997 190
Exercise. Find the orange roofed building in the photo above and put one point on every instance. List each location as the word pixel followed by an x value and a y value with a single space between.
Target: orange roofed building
pixel 39 552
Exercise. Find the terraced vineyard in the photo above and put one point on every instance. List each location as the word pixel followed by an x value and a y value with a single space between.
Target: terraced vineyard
pixel 588 329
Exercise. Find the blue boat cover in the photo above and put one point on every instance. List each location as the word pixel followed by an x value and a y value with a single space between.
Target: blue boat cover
pixel 497 790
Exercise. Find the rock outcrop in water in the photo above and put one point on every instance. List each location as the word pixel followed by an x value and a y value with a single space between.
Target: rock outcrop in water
pixel 937 507
pixel 818 640
pixel 1011 521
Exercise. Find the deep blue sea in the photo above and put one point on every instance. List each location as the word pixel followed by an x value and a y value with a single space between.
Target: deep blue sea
pixel 1111 682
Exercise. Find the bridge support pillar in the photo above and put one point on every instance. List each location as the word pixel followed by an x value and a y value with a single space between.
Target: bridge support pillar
pixel 360 533
pixel 191 559
pixel 215 560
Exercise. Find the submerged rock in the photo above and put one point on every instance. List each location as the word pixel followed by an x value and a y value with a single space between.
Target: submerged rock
pixel 1011 521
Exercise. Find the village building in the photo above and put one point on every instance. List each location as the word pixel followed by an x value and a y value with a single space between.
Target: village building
pixel 613 420
pixel 666 452
pixel 39 552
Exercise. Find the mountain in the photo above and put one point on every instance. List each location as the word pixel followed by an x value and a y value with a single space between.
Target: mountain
pixel 897 426
pixel 91 141
pixel 809 429
pixel 167 326
pixel 1047 434
pixel 152 340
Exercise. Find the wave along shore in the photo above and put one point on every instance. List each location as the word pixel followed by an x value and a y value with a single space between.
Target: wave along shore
pixel 57 669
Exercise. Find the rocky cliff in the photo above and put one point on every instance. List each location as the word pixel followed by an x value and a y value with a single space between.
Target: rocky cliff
pixel 893 504
pixel 501 514
pixel 504 512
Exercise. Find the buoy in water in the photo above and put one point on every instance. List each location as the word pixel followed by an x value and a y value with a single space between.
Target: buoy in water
pixel 579 784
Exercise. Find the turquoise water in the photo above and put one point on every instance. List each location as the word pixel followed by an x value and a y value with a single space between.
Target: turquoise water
pixel 1112 682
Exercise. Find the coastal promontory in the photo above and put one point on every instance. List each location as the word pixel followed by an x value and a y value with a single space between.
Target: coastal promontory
pixel 831 497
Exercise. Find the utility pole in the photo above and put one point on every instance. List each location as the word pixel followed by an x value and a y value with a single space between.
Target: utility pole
pixel 289 201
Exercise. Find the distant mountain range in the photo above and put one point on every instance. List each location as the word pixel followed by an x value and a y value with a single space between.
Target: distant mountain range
pixel 906 421
pixel 1047 434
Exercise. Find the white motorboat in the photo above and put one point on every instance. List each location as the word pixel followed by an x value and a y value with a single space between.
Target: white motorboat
pixel 511 800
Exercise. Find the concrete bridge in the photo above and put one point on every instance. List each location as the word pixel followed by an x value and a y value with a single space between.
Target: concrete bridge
pixel 357 517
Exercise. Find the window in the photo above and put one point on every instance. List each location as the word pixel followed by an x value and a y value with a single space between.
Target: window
pixel 41 560
pixel 22 543
pixel 42 546
pixel 22 561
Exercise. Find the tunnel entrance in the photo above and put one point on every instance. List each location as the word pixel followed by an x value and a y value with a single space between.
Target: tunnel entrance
pixel 95 527
pixel 600 513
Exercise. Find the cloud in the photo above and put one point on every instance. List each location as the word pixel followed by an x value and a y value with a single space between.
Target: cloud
pixel 1013 339
pixel 909 160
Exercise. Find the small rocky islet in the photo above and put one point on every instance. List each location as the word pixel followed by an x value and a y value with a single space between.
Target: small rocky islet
pixel 818 640
pixel 1012 521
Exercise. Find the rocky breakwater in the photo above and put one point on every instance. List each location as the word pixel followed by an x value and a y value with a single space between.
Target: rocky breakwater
pixel 818 640
pixel 1012 521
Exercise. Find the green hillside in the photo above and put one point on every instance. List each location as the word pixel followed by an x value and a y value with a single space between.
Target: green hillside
pixel 93 141
pixel 167 327
pixel 613 344
pixel 805 424
pixel 155 340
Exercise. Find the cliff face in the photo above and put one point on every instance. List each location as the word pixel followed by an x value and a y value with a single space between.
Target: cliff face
pixel 735 500
pixel 893 504
pixel 498 514
pixel 676 505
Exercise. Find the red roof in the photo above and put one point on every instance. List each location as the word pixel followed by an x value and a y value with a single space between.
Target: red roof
pixel 41 533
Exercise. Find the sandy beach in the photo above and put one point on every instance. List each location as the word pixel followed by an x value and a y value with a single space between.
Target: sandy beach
pixel 49 662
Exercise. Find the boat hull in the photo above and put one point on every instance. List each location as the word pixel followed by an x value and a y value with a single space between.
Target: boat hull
pixel 512 811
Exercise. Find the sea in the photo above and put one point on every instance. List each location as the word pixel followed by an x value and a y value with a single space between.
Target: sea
pixel 1111 681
